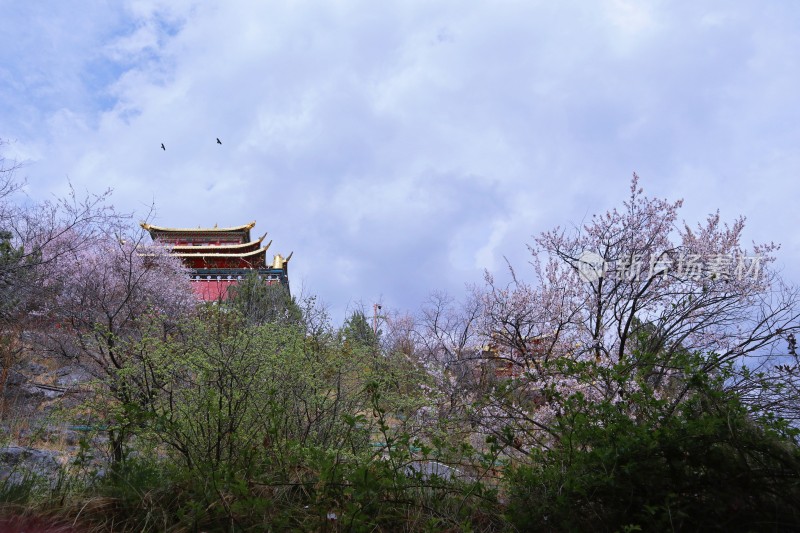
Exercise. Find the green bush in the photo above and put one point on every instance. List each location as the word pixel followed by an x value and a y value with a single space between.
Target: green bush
pixel 701 462
pixel 247 427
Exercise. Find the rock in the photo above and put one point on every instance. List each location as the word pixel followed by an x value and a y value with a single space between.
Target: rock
pixel 17 462
pixel 52 394
pixel 58 434
pixel 14 455
pixel 71 438
pixel 14 378
pixel 29 433
pixel 429 469
pixel 28 391
pixel 33 369
pixel 70 376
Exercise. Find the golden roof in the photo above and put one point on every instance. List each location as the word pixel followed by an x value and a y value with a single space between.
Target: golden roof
pixel 201 251
pixel 181 247
pixel 245 227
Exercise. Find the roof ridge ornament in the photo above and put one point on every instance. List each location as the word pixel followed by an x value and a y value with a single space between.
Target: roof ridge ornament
pixel 279 262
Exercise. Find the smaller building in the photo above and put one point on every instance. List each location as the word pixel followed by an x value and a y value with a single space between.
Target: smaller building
pixel 220 257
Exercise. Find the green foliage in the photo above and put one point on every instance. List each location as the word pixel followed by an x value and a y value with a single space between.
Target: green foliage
pixel 19 487
pixel 357 331
pixel 262 303
pixel 9 255
pixel 231 388
pixel 13 271
pixel 660 462
pixel 237 426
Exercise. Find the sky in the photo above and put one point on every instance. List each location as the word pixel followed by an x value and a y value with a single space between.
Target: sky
pixel 404 147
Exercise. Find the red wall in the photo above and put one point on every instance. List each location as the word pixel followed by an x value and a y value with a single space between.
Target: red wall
pixel 212 290
pixel 221 262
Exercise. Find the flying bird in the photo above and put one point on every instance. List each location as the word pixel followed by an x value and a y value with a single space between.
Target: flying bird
pixel 163 147
pixel 218 141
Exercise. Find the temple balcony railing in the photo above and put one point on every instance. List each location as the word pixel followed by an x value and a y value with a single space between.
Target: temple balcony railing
pixel 237 274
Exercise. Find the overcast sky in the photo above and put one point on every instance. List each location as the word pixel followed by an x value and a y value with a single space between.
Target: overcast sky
pixel 403 147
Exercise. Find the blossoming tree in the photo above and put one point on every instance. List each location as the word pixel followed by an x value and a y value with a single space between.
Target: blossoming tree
pixel 105 298
pixel 34 235
pixel 635 291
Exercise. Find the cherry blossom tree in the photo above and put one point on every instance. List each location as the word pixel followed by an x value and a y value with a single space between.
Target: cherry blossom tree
pixel 449 346
pixel 699 288
pixel 33 236
pixel 399 335
pixel 632 290
pixel 105 298
pixel 36 234
pixel 634 276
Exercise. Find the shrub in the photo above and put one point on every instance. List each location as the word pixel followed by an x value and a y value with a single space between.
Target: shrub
pixel 698 462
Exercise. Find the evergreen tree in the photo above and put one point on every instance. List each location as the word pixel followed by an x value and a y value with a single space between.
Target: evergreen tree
pixel 357 331
pixel 12 261
pixel 261 303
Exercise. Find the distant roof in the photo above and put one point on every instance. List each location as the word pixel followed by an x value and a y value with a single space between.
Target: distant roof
pixel 208 251
pixel 243 232
pixel 234 229
pixel 219 248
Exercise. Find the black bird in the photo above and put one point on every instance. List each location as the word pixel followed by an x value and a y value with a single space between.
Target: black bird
pixel 218 141
pixel 163 147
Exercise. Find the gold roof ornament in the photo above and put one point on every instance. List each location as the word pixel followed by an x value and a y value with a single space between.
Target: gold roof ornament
pixel 280 261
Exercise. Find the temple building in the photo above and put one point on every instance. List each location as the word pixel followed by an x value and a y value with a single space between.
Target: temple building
pixel 219 257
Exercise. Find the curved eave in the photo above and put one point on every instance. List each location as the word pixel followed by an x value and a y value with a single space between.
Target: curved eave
pixel 212 249
pixel 242 255
pixel 234 229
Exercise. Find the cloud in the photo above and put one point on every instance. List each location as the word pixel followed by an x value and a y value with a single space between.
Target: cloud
pixel 403 147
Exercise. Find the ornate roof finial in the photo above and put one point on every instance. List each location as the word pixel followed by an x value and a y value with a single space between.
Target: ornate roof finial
pixel 280 261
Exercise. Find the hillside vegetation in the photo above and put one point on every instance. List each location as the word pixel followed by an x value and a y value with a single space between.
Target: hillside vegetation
pixel 641 374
